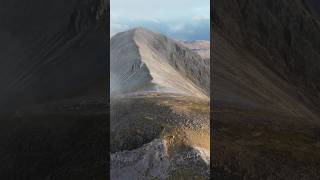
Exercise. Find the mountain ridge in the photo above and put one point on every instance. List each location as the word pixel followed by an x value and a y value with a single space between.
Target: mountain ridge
pixel 156 59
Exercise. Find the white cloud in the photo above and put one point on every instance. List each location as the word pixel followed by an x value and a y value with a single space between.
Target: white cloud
pixel 154 20
pixel 200 18
pixel 178 27
pixel 163 10
pixel 115 28
pixel 116 25
pixel 187 19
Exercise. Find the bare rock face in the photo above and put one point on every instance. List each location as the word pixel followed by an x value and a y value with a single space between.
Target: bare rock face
pixel 152 161
pixel 45 46
pixel 146 162
pixel 141 58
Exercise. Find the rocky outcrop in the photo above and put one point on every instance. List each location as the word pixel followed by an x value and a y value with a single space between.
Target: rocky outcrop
pixel 46 45
pixel 159 135
pixel 152 161
pixel 141 58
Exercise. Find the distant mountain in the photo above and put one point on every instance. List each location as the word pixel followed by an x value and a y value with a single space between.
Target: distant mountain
pixel 201 47
pixel 142 59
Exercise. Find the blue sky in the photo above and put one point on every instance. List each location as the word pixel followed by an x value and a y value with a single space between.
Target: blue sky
pixel 180 19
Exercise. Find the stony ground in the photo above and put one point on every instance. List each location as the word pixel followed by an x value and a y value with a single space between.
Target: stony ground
pixel 162 136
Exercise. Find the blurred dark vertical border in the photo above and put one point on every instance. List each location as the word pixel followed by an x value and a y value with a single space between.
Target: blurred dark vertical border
pixel 54 89
pixel 265 77
pixel 212 131
pixel 107 14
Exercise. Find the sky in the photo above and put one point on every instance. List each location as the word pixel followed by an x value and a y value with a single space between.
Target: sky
pixel 179 19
